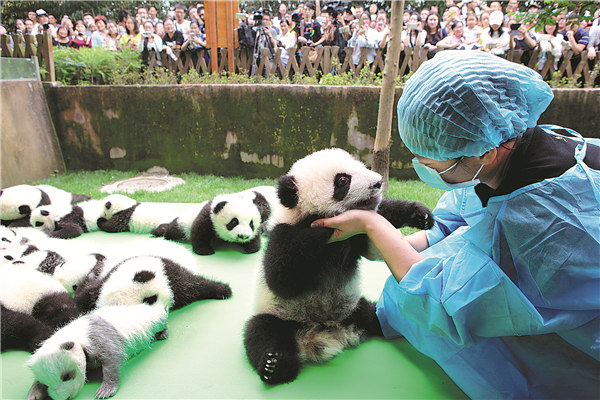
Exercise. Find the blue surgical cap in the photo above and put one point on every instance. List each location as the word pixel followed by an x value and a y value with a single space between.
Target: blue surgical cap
pixel 464 103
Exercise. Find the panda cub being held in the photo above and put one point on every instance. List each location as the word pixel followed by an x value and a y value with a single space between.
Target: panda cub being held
pixel 308 302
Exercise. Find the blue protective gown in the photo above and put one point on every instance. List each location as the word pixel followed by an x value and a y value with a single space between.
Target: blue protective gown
pixel 527 264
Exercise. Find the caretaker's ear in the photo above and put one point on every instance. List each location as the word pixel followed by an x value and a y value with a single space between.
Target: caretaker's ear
pixel 287 191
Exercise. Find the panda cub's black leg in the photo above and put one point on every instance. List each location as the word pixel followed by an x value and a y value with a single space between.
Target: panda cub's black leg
pixel 364 317
pixel 272 349
pixel 21 331
pixel 252 246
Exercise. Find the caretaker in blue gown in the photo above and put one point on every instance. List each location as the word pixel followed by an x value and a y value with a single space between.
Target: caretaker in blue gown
pixel 504 292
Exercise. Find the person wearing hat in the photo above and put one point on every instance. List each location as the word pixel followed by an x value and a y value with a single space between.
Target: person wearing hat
pixel 503 291
pixel 495 39
pixel 43 24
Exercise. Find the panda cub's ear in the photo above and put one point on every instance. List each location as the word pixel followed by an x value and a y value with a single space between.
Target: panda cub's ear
pixel 24 210
pixel 108 205
pixel 219 207
pixel 287 191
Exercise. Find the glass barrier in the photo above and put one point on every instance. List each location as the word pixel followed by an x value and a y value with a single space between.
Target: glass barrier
pixel 19 68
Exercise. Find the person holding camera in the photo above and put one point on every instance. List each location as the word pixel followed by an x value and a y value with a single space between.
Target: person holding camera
pixel 80 39
pixel 411 36
pixel 286 40
pixel 454 40
pixel 521 39
pixel 363 37
pixel 172 39
pixel 150 42
pixel 194 42
pixel 132 35
pixel 310 30
pixel 43 25
pixel 62 37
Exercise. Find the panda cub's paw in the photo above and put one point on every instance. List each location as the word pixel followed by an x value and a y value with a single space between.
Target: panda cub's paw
pixel 278 368
pixel 204 250
pixel 160 230
pixel 106 390
pixel 421 217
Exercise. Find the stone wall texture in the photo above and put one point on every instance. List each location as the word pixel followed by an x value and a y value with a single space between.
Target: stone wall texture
pixel 241 130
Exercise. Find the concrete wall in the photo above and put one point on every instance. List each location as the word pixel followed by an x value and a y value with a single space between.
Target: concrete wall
pixel 29 146
pixel 246 130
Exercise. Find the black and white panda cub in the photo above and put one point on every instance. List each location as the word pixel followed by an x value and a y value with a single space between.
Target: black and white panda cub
pixel 146 279
pixel 17 202
pixel 230 218
pixel 309 306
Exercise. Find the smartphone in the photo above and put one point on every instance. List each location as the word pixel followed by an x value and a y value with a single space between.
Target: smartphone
pixel 344 29
pixel 240 16
pixel 413 25
pixel 321 20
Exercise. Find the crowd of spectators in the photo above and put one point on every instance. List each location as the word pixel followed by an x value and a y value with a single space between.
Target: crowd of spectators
pixel 490 26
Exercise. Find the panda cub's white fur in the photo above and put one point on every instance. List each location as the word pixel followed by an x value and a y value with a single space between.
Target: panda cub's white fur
pixel 108 336
pixel 21 288
pixel 123 289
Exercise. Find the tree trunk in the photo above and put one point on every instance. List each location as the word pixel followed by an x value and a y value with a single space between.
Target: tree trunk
pixel 381 150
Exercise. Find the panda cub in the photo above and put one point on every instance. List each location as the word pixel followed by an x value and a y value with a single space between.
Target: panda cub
pixel 230 218
pixel 16 202
pixel 309 306
pixel 67 223
pixel 36 301
pixel 147 279
pixel 102 339
pixel 124 214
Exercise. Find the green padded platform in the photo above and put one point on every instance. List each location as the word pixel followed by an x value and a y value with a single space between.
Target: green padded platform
pixel 204 357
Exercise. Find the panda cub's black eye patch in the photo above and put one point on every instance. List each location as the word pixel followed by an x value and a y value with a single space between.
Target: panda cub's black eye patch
pixel 232 224
pixel 67 376
pixel 5 240
pixel 341 186
pixel 39 223
pixel 252 225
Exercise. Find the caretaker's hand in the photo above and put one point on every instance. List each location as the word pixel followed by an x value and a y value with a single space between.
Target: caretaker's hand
pixel 348 224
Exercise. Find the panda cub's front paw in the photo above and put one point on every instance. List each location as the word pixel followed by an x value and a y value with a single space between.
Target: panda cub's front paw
pixel 422 217
pixel 204 250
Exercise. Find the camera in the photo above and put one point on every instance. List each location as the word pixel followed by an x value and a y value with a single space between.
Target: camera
pixel 515 27
pixel 79 34
pixel 46 26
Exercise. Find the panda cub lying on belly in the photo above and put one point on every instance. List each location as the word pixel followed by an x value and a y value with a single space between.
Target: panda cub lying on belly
pixel 309 306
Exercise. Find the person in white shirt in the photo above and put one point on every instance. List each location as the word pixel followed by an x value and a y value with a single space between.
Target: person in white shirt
pixel 495 39
pixel 363 37
pixel 149 41
pixel 181 24
pixel 286 40
pixel 42 25
pixel 472 32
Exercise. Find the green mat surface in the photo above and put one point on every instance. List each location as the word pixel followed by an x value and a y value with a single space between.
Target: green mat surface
pixel 204 357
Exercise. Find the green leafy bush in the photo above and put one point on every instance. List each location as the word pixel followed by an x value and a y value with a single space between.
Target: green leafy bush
pixel 95 66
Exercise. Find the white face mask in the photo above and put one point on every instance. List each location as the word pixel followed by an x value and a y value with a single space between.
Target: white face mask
pixel 434 178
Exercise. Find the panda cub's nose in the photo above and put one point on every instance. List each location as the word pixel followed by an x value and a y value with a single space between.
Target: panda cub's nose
pixel 243 236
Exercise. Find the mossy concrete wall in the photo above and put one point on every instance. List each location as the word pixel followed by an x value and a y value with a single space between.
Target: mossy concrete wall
pixel 244 130
pixel 28 142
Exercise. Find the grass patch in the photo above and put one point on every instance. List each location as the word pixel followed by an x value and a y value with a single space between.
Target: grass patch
pixel 199 188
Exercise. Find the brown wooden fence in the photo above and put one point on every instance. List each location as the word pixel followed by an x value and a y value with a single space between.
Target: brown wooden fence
pixel 327 60
pixel 321 60
pixel 29 46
